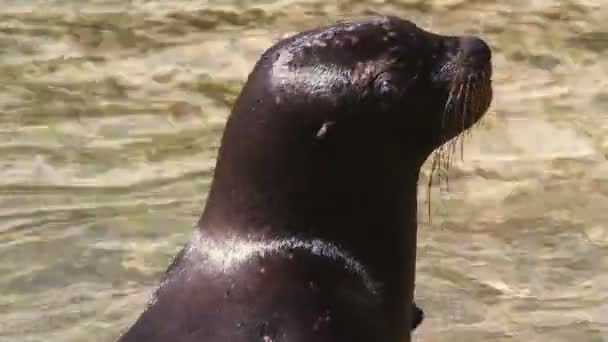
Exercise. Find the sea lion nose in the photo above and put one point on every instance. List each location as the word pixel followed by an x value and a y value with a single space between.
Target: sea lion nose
pixel 475 50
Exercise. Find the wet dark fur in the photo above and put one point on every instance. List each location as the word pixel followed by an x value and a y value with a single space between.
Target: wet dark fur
pixel 309 231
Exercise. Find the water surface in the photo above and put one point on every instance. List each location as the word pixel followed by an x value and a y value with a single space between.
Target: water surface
pixel 110 117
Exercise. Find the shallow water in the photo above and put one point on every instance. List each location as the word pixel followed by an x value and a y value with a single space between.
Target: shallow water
pixel 110 115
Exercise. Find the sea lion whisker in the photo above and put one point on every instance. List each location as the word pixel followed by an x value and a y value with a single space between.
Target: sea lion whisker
pixel 465 100
pixel 448 104
pixel 430 183
pixel 466 115
pixel 460 111
pixel 451 145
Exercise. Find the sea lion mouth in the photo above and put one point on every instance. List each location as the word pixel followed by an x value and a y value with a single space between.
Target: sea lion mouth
pixel 467 76
pixel 469 97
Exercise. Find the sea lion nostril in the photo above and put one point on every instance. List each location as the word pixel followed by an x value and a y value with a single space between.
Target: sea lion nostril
pixel 475 49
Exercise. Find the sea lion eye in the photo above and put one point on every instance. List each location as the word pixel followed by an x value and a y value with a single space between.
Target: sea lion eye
pixel 383 85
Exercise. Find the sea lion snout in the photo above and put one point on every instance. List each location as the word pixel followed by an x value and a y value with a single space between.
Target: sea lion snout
pixel 475 51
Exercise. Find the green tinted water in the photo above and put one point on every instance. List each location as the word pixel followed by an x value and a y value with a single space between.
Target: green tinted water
pixel 110 115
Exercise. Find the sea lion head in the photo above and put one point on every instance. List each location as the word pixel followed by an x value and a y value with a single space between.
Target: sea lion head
pixel 410 86
pixel 366 100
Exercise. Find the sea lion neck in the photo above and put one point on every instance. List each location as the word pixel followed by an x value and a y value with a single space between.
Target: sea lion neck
pixel 358 194
pixel 300 199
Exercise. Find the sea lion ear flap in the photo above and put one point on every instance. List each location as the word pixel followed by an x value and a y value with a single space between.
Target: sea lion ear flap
pixel 322 132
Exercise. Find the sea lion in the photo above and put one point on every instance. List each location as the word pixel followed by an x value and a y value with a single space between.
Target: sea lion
pixel 309 229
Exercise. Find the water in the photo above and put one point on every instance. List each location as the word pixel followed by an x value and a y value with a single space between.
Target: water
pixel 110 115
